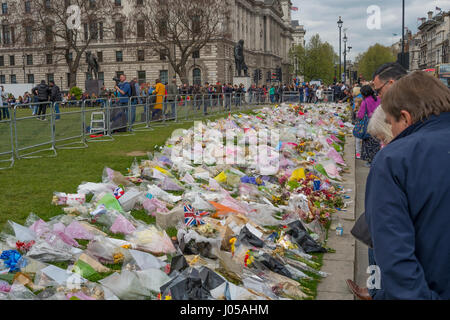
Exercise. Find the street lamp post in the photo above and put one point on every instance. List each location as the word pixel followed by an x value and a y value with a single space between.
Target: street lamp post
pixel 403 34
pixel 340 24
pixel 345 58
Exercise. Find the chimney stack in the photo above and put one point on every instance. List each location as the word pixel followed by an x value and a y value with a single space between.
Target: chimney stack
pixel 430 15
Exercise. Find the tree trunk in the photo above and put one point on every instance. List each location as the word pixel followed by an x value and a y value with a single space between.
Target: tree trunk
pixel 183 75
pixel 72 78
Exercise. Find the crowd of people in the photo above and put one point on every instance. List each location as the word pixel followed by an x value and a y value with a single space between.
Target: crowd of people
pixel 206 96
pixel 407 146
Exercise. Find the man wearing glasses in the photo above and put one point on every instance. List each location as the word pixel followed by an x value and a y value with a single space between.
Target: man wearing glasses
pixel 386 76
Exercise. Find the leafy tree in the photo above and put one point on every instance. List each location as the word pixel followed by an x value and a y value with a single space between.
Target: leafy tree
pixel 373 58
pixel 316 60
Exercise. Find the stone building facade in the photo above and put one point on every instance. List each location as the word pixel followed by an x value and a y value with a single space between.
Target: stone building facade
pixel 430 45
pixel 264 25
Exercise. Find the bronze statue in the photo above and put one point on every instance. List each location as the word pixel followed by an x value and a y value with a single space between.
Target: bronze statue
pixel 240 59
pixel 93 66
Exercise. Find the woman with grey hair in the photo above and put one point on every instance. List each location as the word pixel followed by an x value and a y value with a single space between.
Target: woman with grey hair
pixel 379 128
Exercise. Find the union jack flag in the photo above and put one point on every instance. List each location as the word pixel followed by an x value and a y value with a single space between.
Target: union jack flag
pixel 193 218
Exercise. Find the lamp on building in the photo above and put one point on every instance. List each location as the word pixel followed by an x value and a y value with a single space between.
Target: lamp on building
pixel 340 24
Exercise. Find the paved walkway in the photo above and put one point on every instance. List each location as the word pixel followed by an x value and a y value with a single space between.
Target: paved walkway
pixel 350 260
pixel 341 265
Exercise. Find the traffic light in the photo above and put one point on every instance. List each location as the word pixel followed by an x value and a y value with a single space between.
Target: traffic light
pixel 274 76
pixel 256 75
pixel 278 74
pixel 259 74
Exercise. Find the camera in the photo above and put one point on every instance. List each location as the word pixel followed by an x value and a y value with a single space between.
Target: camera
pixel 117 80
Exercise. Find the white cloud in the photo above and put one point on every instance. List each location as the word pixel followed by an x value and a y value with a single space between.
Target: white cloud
pixel 321 16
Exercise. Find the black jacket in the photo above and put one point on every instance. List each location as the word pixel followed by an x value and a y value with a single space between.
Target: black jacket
pixel 55 94
pixel 43 92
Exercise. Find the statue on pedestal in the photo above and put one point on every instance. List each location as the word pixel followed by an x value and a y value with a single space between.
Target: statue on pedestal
pixel 240 59
pixel 93 66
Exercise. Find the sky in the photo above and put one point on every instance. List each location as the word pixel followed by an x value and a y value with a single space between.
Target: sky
pixel 321 16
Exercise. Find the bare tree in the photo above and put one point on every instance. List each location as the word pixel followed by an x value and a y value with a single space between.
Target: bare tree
pixel 178 28
pixel 51 26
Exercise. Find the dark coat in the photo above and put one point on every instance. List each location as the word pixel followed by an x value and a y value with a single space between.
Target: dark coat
pixel 43 92
pixel 408 212
pixel 55 94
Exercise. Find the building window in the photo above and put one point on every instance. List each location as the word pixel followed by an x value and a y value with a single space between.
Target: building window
pixel 119 30
pixel 164 76
pixel 47 4
pixel 2 79
pixel 49 58
pixel 140 27
pixel 139 2
pixel 13 79
pixel 101 76
pixel 12 60
pixel 28 6
pixel 48 34
pixel 2 61
pixel 30 78
pixel 50 77
pixel 100 56
pixel 93 30
pixel 28 35
pixel 142 77
pixel 88 76
pixel 197 76
pixel 119 73
pixel 86 31
pixel 196 54
pixel 163 55
pixel 100 28
pixel 6 31
pixel 29 59
pixel 70 57
pixel 141 55
pixel 118 3
pixel 4 8
pixel 119 56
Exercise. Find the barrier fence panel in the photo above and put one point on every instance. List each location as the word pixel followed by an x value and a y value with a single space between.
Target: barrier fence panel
pixel 68 126
pixel 328 96
pixel 96 120
pixel 7 140
pixel 141 114
pixel 156 111
pixel 291 97
pixel 33 133
pixel 120 113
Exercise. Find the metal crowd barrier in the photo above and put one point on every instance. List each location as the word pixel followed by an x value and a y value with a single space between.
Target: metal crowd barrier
pixel 52 126
pixel 68 125
pixel 290 97
pixel 328 96
pixel 7 141
pixel 34 134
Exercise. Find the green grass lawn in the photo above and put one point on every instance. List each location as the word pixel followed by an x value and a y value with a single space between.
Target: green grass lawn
pixel 29 185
